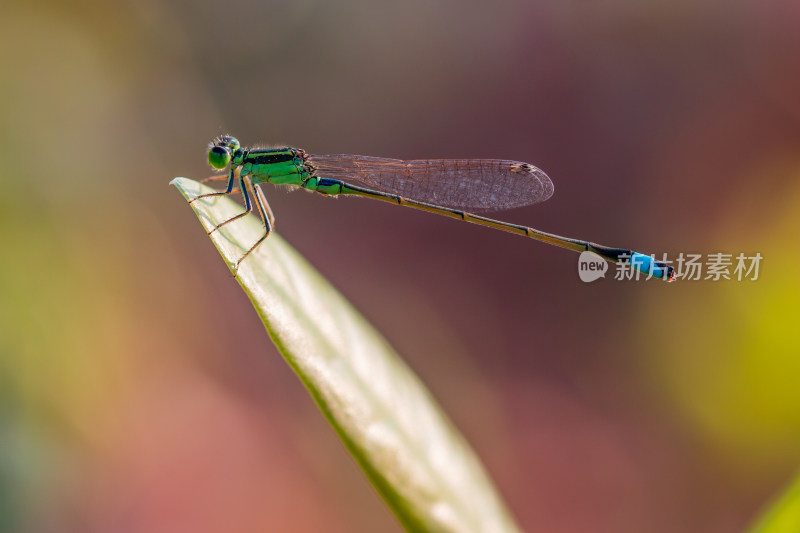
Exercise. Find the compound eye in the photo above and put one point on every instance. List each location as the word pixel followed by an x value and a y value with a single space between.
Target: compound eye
pixel 219 157
pixel 232 143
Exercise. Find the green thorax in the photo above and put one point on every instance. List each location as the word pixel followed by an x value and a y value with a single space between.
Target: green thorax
pixel 280 166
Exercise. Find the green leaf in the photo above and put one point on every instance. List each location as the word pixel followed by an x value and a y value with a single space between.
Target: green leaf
pixel 783 516
pixel 411 453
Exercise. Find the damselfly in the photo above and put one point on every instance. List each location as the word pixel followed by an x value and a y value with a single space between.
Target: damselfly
pixel 456 188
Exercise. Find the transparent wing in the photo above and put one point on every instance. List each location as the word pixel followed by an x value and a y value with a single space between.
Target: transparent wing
pixel 466 184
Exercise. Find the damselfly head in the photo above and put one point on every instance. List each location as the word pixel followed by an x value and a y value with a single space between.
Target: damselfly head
pixel 220 151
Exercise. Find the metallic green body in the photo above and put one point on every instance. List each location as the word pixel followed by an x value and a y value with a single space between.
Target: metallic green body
pixel 268 166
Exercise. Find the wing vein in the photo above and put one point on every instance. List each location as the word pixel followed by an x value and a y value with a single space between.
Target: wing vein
pixel 477 185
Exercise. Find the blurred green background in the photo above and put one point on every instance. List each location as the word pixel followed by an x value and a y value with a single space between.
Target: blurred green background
pixel 139 390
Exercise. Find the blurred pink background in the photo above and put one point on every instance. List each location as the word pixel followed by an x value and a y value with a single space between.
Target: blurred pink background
pixel 139 390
